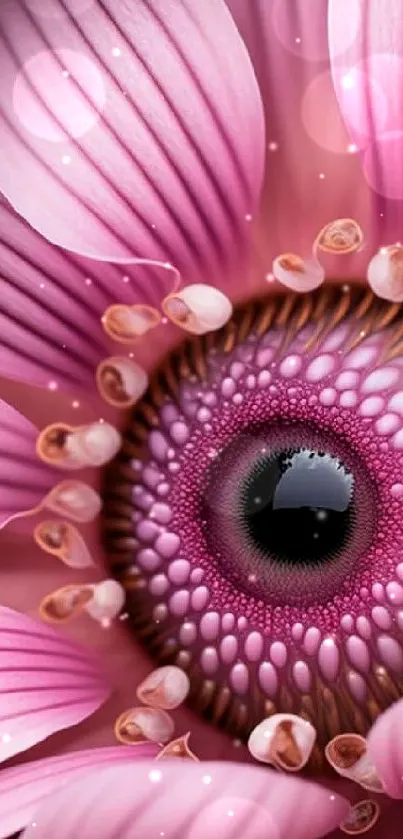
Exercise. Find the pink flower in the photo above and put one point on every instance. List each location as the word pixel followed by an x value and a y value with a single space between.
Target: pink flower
pixel 162 163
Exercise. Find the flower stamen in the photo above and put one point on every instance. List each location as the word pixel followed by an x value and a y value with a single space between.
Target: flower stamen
pixel 63 541
pixel 127 323
pixel 121 382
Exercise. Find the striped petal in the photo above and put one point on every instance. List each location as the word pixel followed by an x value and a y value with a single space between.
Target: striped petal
pixel 134 139
pixel 24 479
pixel 24 788
pixel 51 305
pixel 47 683
pixel 183 799
pixel 385 745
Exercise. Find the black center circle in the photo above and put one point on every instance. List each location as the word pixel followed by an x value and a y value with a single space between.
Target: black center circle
pixel 297 506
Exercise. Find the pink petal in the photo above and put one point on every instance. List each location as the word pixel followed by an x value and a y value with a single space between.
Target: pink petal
pixel 159 163
pixel 385 745
pixel 368 84
pixel 24 788
pixel 187 800
pixel 52 303
pixel 24 480
pixel 47 683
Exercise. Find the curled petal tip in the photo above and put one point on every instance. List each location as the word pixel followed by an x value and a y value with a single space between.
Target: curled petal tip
pixel 198 308
pixel 385 273
pixel 283 740
pixel 298 274
pixel 121 382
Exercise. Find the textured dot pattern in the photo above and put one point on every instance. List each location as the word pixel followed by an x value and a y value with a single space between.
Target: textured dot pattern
pixel 233 634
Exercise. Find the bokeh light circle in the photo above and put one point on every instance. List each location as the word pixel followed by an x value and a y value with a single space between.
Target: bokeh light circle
pixel 383 165
pixel 61 86
pixel 301 26
pixel 321 116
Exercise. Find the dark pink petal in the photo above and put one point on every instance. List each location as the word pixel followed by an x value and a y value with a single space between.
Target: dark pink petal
pixel 47 683
pixel 385 744
pixel 52 302
pixel 186 800
pixel 144 138
pixel 23 788
pixel 24 479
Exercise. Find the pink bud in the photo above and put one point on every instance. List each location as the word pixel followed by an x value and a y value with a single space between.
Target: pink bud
pixel 74 499
pixel 385 273
pixel 198 308
pixel 298 274
pixel 107 601
pixel 139 724
pixel 283 740
pixel 166 687
pixel 93 445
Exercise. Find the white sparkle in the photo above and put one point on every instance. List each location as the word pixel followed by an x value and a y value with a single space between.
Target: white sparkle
pixel 155 775
pixel 248 217
pixel 6 738
pixel 65 73
pixel 75 404
pixel 321 176
pixel 273 146
pixel 116 52
pixel 345 288
pixel 88 281
pixel 298 40
pixel 347 82
pixel 207 779
pixel 126 279
pixel 352 148
pixel 230 813
pixel 270 278
pixel 53 385
pixel 66 159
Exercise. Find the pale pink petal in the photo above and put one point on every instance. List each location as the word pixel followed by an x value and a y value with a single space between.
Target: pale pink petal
pixel 47 683
pixel 24 480
pixel 189 799
pixel 385 745
pixel 24 788
pixel 368 83
pixel 52 304
pixel 145 139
